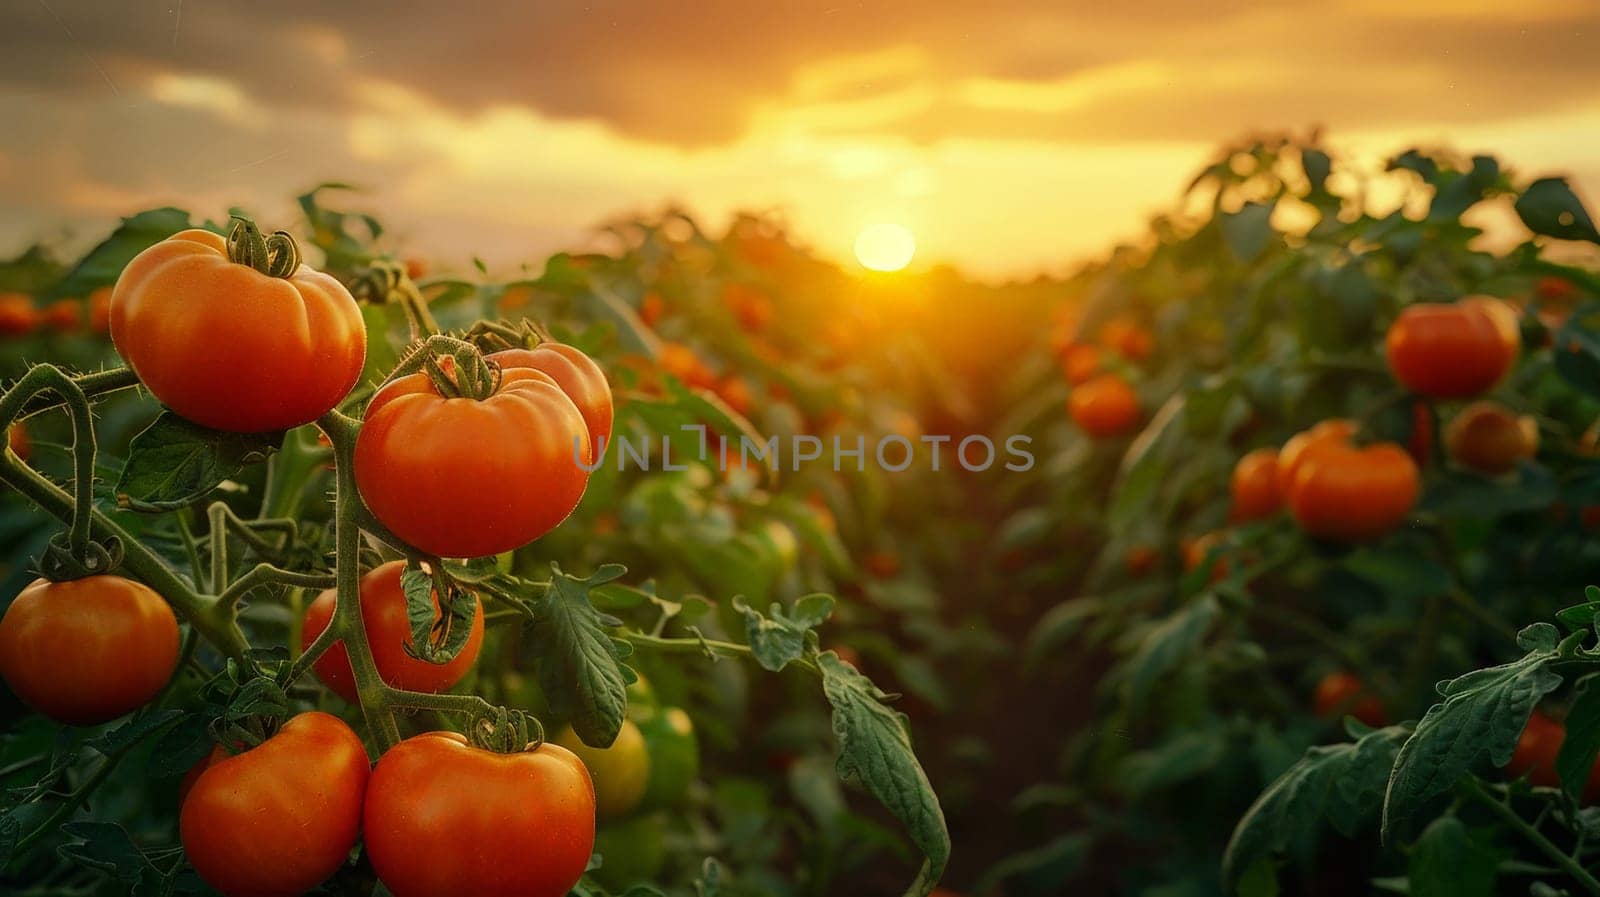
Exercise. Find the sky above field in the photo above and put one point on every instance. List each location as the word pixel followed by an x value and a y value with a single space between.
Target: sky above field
pixel 1011 137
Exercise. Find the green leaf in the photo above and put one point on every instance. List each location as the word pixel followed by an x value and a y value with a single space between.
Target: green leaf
pixel 1549 207
pixel 1162 646
pixel 875 752
pixel 580 668
pixel 1058 625
pixel 1576 759
pixel 783 637
pixel 1247 231
pixel 119 739
pixel 1480 717
pixel 180 748
pixel 1464 190
pixel 174 463
pixel 1340 783
pixel 1449 861
pixel 435 637
pixel 104 263
pixel 1047 869
pixel 106 847
pixel 1178 759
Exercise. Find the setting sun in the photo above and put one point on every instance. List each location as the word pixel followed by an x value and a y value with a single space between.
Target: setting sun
pixel 885 247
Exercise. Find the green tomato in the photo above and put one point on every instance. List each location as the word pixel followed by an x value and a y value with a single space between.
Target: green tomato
pixel 620 772
pixel 632 851
pixel 674 754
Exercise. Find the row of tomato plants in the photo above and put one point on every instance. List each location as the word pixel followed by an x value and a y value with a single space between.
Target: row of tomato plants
pixel 1311 470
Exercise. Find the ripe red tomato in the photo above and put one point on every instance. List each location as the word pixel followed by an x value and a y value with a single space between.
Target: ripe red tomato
pixel 882 564
pixel 88 650
pixel 18 316
pixel 1339 491
pixel 1341 693
pixel 1141 559
pixel 685 364
pixel 1127 337
pixel 1489 438
pixel 383 612
pixel 1196 550
pixel 1453 351
pixel 1536 752
pixel 458 477
pixel 578 376
pixel 100 310
pixel 229 347
pixel 1420 442
pixel 19 441
pixel 1255 485
pixel 1080 362
pixel 1335 429
pixel 281 817
pixel 62 315
pixel 652 308
pixel 750 307
pixel 444 818
pixel 1105 406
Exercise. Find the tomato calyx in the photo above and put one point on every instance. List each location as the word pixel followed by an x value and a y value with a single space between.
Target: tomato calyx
pixel 276 255
pixel 58 562
pixel 507 731
pixel 454 367
pixel 497 336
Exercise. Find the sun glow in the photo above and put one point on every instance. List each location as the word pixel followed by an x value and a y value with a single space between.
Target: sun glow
pixel 885 247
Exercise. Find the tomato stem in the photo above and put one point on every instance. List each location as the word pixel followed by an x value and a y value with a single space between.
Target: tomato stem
pixel 274 256
pixel 1500 808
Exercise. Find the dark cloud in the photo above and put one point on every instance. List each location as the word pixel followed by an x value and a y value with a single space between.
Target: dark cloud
pixel 692 73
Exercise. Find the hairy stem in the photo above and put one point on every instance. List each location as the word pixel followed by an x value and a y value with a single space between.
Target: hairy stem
pixel 1500 808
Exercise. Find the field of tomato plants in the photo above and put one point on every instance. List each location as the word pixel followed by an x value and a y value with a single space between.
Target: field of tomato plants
pixel 1255 557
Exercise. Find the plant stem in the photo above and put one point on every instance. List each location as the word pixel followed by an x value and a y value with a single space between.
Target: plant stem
pixel 93 385
pixel 262 574
pixel 1570 866
pixel 700 646
pixel 219 547
pixel 49 378
pixel 220 630
pixel 347 620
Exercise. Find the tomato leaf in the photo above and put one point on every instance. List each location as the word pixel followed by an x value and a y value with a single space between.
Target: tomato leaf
pixel 173 463
pixel 783 637
pixel 875 752
pixel 1480 717
pixel 105 262
pixel 436 637
pixel 180 748
pixel 1576 759
pixel 1549 207
pixel 1161 646
pixel 1048 869
pixel 580 666
pixel 1340 783
pixel 1449 860
pixel 107 847
pixel 1248 230
pixel 119 739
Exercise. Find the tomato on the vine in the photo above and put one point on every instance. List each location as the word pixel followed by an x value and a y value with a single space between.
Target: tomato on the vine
pixel 463 477
pixel 1489 438
pixel 444 818
pixel 1341 692
pixel 1254 486
pixel 578 376
pixel 88 650
pixel 621 772
pixel 1196 550
pixel 281 817
pixel 1104 406
pixel 18 315
pixel 1536 752
pixel 1337 490
pixel 1452 351
pixel 383 614
pixel 674 753
pixel 230 346
pixel 1080 362
pixel 1127 337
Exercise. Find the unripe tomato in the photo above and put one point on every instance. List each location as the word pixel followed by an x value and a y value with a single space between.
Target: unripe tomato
pixel 632 852
pixel 281 817
pixel 459 477
pixel 383 613
pixel 1254 485
pixel 578 376
pixel 444 819
pixel 674 753
pixel 1489 438
pixel 1342 492
pixel 229 347
pixel 1341 693
pixel 1453 351
pixel 1105 406
pixel 88 650
pixel 18 316
pixel 621 772
pixel 1080 362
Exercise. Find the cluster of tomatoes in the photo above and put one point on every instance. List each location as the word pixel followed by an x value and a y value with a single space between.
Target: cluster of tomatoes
pixel 238 339
pixel 1102 401
pixel 20 315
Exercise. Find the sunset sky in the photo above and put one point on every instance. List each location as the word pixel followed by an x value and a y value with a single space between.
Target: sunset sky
pixel 1010 137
